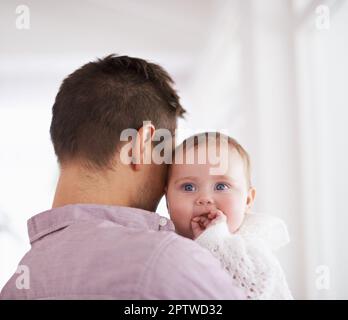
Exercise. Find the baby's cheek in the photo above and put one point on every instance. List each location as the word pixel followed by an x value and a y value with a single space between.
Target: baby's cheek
pixel 234 210
pixel 182 224
pixel 230 204
pixel 180 214
pixel 235 221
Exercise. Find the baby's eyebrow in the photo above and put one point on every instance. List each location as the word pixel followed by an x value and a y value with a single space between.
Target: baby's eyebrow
pixel 223 177
pixel 186 178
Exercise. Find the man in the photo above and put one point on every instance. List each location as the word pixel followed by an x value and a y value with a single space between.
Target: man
pixel 102 238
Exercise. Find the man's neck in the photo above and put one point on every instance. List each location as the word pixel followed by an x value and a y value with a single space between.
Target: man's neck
pixel 77 185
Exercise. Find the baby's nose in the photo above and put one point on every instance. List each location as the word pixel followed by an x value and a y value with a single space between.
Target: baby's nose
pixel 204 201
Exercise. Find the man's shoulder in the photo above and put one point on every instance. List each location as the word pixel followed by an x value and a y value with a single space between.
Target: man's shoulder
pixel 177 249
pixel 163 250
pixel 181 269
pixel 169 243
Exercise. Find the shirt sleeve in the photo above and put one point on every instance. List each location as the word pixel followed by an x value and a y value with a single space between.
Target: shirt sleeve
pixel 184 270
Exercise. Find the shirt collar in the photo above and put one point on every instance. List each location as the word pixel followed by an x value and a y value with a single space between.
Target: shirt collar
pixel 52 220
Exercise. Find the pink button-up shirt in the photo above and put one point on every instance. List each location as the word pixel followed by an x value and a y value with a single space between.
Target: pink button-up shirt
pixel 88 251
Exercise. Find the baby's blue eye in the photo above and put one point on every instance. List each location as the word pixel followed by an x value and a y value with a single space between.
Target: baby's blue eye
pixel 188 187
pixel 221 186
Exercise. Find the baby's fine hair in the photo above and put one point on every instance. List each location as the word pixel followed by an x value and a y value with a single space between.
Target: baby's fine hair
pixel 204 137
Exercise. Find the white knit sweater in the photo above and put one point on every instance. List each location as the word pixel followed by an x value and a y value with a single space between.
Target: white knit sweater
pixel 247 254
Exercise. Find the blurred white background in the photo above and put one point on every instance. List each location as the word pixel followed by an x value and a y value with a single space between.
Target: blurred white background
pixel 271 73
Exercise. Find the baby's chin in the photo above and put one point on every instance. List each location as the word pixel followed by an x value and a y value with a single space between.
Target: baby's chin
pixel 187 234
pixel 234 227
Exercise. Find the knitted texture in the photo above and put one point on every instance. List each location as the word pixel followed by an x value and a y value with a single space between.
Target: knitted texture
pixel 247 255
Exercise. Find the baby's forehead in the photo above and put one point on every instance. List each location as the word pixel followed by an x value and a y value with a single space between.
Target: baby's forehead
pixel 207 154
pixel 232 167
pixel 210 153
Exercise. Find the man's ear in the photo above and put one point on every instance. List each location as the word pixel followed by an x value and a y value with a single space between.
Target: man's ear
pixel 251 198
pixel 142 150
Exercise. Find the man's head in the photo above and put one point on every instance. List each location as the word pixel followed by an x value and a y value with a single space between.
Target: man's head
pixel 100 100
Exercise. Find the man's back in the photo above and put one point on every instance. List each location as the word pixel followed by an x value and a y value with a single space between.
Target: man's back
pixel 108 252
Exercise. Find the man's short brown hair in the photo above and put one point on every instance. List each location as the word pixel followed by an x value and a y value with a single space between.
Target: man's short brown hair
pixel 101 99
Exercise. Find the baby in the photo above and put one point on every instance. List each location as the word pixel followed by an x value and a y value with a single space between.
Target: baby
pixel 210 201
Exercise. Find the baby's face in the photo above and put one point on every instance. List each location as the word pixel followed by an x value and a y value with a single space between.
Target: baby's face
pixel 192 191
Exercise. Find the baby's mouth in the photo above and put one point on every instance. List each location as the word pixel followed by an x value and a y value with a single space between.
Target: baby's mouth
pixel 202 212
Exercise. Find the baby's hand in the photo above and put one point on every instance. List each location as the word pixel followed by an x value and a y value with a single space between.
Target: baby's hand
pixel 200 223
